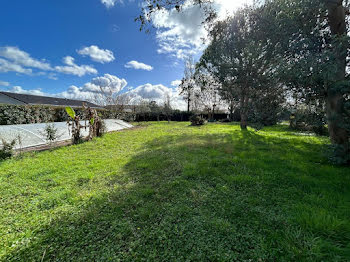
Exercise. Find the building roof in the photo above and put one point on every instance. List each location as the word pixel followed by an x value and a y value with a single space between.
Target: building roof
pixel 46 100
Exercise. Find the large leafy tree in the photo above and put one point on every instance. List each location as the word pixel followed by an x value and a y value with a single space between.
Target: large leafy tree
pixel 242 63
pixel 338 91
pixel 313 42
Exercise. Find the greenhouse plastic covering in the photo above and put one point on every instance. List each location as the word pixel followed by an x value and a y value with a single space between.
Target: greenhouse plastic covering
pixel 34 135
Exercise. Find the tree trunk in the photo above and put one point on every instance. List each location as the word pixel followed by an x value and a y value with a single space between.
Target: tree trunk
pixel 335 101
pixel 213 113
pixel 231 111
pixel 210 114
pixel 188 103
pixel 338 134
pixel 244 120
pixel 244 112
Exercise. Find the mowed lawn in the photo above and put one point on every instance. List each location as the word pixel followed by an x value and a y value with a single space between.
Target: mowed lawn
pixel 171 192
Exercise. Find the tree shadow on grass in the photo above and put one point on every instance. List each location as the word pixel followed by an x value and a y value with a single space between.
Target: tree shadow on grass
pixel 198 198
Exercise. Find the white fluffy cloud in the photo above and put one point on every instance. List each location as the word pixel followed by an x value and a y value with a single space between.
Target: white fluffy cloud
pixel 175 83
pixel 107 83
pixel 7 66
pixel 89 91
pixel 20 90
pixel 75 92
pixel 110 83
pixel 21 58
pixel 12 59
pixel 181 34
pixel 138 65
pixel 74 69
pixel 157 93
pixel 149 91
pixel 4 83
pixel 97 54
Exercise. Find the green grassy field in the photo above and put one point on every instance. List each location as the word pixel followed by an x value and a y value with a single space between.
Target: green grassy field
pixel 171 192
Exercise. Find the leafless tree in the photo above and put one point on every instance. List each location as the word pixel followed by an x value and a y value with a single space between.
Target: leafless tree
pixel 167 107
pixel 207 92
pixel 188 82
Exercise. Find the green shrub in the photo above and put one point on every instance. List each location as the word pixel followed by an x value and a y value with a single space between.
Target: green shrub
pixel 197 120
pixel 304 120
pixel 7 149
pixel 50 134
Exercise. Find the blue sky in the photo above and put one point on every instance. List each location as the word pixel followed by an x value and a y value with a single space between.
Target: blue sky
pixel 46 47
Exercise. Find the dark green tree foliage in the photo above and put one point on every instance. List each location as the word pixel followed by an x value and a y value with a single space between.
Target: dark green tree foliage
pixel 266 107
pixel 309 118
pixel 155 109
pixel 245 66
pixel 313 43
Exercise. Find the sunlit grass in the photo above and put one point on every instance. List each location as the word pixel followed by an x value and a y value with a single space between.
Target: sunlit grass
pixel 171 192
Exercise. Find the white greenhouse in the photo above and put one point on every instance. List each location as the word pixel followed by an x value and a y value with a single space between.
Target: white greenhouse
pixel 32 135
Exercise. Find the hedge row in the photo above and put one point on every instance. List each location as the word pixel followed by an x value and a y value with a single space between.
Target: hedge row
pixel 19 114
pixel 174 115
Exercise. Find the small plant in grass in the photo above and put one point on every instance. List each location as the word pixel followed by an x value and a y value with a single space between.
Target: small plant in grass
pixel 197 120
pixel 20 143
pixel 50 134
pixel 6 151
